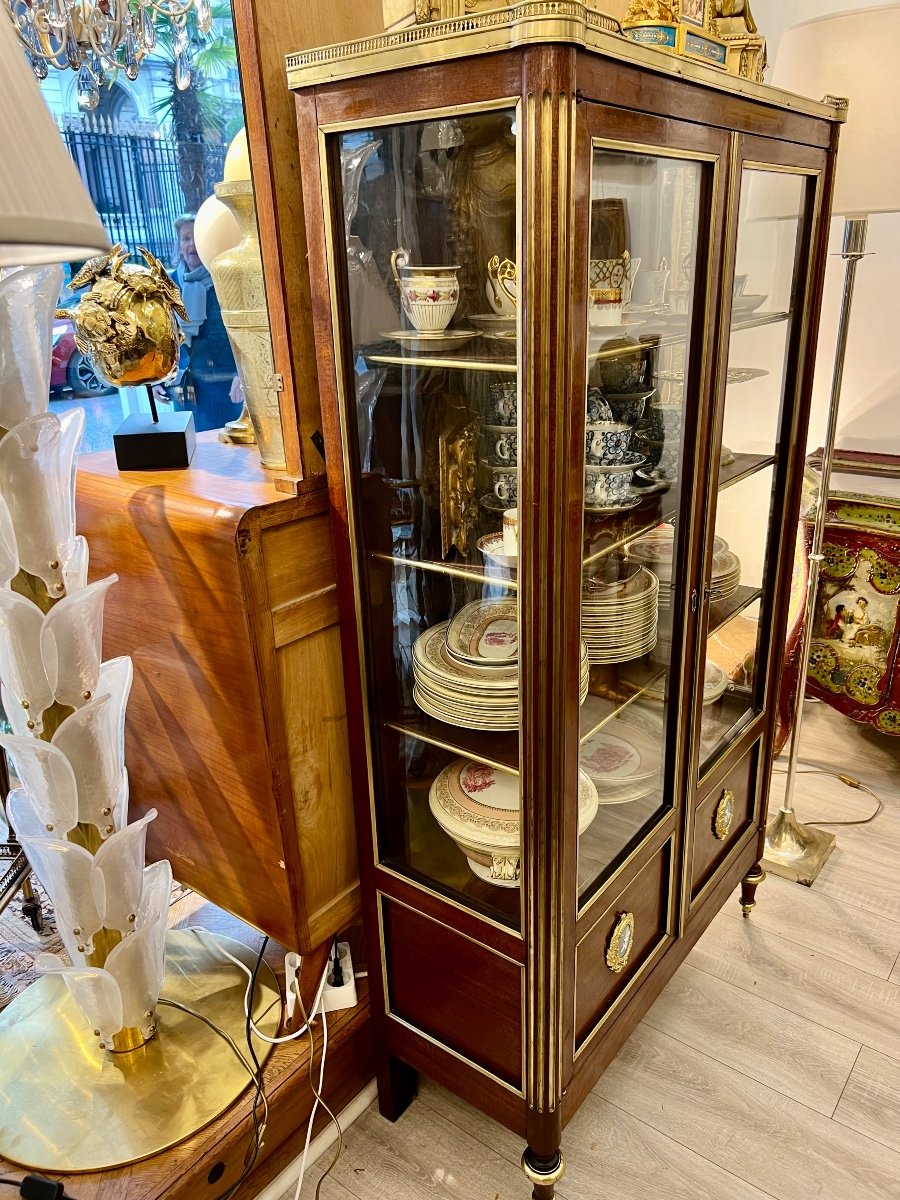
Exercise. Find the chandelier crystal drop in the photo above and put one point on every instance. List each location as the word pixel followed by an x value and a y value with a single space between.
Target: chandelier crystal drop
pixel 96 38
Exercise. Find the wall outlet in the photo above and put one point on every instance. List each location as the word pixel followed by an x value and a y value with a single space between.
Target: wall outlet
pixel 344 996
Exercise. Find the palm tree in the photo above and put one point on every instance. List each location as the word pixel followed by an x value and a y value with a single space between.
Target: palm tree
pixel 196 115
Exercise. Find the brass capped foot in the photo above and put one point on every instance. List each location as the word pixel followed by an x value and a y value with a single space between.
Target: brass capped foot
pixel 543 1174
pixel 749 884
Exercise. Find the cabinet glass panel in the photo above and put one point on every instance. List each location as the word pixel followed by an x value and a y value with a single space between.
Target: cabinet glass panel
pixel 645 219
pixel 430 226
pixel 766 275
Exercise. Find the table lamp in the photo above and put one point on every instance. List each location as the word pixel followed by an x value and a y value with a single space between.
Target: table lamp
pixel 850 55
pixel 79 1060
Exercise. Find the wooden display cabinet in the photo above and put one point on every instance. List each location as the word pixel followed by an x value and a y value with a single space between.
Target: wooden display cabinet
pixel 237 730
pixel 663 229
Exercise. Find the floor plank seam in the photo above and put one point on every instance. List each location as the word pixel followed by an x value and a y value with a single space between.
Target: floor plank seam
pixel 844 1088
pixel 725 1171
pixel 802 946
pixel 761 1083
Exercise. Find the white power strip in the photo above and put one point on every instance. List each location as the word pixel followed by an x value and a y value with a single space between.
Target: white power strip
pixel 344 996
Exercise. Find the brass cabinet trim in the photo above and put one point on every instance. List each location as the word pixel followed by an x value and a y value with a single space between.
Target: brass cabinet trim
pixel 723 816
pixel 442 1046
pixel 534 21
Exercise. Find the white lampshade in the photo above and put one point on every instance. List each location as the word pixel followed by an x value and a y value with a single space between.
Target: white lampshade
pixel 46 216
pixel 853 55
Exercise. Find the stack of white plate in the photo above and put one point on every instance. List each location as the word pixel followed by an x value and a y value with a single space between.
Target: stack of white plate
pixel 715 682
pixel 478 807
pixel 726 573
pixel 619 619
pixel 466 671
pixel 623 760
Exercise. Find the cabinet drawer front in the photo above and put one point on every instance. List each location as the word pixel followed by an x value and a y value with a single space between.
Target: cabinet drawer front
pixel 722 818
pixel 619 947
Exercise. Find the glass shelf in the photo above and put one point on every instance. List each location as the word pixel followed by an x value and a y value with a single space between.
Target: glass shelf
pixel 723 611
pixel 637 343
pixel 498 750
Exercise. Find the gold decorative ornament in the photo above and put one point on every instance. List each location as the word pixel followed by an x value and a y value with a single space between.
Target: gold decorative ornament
pixel 621 942
pixel 126 322
pixel 543 1178
pixel 724 815
pixel 456 474
pixel 684 27
pixel 746 50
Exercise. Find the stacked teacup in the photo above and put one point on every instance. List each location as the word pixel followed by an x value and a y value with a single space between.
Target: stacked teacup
pixel 500 441
pixel 609 461
pixel 660 435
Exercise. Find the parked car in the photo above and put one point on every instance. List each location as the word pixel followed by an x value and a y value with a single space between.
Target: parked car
pixel 72 370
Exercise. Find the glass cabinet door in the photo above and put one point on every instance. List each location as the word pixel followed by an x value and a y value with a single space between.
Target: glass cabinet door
pixel 431 427
pixel 743 557
pixel 643 313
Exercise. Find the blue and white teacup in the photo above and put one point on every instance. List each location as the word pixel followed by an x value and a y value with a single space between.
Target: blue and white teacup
pixel 501 445
pixel 505 483
pixel 663 422
pixel 604 488
pixel 628 407
pixel 598 408
pixel 606 442
pixel 503 403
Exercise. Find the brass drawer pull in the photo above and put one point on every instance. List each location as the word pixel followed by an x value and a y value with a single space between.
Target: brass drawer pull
pixel 620 943
pixel 724 815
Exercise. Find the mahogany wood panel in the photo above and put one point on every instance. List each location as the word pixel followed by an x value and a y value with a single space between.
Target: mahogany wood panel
pixel 452 989
pixel 265 31
pixel 647 898
pixel 250 780
pixel 708 852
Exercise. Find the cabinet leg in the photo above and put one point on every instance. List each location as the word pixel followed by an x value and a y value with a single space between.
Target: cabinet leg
pixel 396 1087
pixel 749 884
pixel 543 1173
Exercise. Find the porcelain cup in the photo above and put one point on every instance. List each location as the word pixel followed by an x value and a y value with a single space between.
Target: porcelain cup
pixel 614 273
pixel 501 445
pixel 606 488
pixel 429 295
pixel 511 532
pixel 598 408
pixel 505 482
pixel 503 403
pixel 629 407
pixel 502 287
pixel 605 307
pixel 664 422
pixel 651 292
pixel 606 443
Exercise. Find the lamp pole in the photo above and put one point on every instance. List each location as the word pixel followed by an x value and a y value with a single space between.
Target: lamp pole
pixel 796 851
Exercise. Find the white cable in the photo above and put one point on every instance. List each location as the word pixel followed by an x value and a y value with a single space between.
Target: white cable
pixel 312 1115
pixel 277 1041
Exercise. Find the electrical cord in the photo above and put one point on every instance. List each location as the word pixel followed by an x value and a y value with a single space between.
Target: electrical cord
pixel 317 1092
pixel 36 1187
pixel 848 781
pixel 271 1041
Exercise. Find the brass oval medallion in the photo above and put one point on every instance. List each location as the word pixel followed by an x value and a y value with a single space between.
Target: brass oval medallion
pixel 724 815
pixel 620 943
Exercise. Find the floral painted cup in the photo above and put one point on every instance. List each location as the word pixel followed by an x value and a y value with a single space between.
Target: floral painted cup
pixel 606 488
pixel 664 422
pixel 628 407
pixel 505 482
pixel 501 445
pixel 598 408
pixel 503 403
pixel 429 295
pixel 606 443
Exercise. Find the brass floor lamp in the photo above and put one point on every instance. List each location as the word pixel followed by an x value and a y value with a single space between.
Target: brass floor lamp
pixel 849 55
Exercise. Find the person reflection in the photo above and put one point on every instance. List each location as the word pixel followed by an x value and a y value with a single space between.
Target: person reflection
pixel 207 384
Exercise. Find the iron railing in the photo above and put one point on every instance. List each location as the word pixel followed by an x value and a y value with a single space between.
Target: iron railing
pixel 133 179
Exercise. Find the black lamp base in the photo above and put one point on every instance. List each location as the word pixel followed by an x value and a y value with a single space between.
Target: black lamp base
pixel 143 444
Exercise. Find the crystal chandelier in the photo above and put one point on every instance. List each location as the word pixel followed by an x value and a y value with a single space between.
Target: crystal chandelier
pixel 94 37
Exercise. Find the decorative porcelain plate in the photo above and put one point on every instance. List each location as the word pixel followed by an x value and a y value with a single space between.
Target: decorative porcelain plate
pixel 485 632
pixel 430 343
pixel 494 322
pixel 633 501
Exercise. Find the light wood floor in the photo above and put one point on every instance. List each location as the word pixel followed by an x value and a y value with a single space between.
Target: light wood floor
pixel 769 1067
